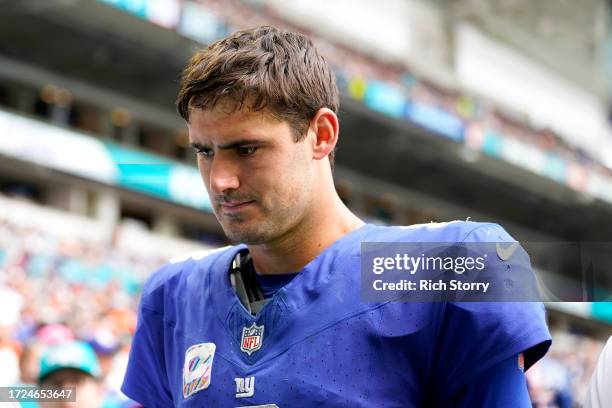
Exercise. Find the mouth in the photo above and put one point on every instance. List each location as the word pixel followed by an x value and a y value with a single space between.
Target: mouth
pixel 235 205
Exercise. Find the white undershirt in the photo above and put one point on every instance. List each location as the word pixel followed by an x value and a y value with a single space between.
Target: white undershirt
pixel 600 390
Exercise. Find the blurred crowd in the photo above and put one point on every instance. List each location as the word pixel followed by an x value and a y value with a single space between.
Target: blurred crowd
pixel 58 289
pixel 561 379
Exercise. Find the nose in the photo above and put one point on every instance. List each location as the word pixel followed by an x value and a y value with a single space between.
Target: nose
pixel 223 175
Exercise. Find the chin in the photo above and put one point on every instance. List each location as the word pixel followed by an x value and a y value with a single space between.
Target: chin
pixel 247 237
pixel 245 234
pixel 251 234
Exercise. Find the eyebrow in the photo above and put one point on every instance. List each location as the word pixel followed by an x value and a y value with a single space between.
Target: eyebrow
pixel 231 145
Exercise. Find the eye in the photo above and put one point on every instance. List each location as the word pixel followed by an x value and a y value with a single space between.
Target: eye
pixel 205 152
pixel 246 150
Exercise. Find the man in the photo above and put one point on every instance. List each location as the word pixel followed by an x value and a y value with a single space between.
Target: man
pixel 278 319
pixel 600 393
pixel 72 364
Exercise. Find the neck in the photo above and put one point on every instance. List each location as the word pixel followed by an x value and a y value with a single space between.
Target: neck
pixel 300 245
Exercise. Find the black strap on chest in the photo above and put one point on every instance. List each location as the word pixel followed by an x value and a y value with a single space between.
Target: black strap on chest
pixel 244 282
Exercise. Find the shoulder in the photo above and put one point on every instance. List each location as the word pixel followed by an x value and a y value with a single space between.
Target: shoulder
pixel 183 273
pixel 453 231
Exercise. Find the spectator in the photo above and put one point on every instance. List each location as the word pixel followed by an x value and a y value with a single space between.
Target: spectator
pixel 72 364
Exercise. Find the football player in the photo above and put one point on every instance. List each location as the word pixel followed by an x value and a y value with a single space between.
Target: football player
pixel 278 320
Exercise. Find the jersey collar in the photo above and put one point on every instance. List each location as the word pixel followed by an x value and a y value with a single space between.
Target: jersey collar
pixel 303 290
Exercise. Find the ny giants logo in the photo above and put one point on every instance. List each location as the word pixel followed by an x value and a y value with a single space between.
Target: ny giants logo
pixel 245 386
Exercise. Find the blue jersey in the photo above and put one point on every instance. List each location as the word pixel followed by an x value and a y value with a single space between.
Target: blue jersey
pixel 316 342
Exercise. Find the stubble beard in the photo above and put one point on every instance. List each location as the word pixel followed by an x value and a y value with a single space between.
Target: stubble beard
pixel 268 226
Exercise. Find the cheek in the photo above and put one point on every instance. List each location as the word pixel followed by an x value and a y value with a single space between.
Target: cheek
pixel 204 173
pixel 294 181
pixel 89 391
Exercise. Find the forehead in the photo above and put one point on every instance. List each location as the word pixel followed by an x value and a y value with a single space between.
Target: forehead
pixel 67 374
pixel 217 123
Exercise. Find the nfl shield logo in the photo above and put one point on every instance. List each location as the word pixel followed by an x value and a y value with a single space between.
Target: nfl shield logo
pixel 197 368
pixel 251 338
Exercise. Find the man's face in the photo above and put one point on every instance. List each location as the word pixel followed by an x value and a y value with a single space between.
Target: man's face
pixel 87 389
pixel 259 179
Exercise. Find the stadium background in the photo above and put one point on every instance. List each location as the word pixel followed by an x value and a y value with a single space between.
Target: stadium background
pixel 484 109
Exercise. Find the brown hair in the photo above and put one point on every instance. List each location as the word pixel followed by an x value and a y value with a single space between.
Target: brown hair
pixel 264 68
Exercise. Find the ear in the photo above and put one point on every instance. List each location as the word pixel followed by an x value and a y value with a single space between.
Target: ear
pixel 325 127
